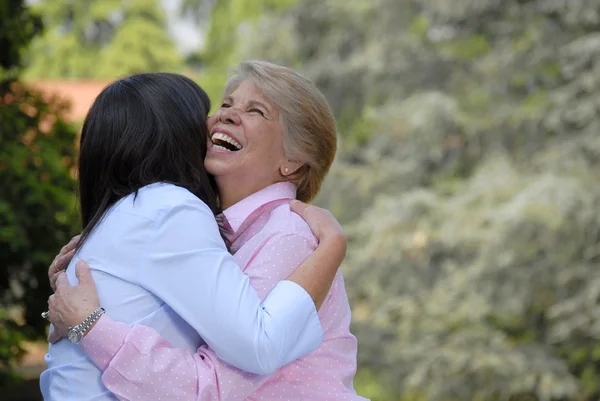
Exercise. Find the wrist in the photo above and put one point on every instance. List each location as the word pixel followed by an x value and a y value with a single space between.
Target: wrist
pixel 91 326
pixel 76 333
pixel 81 316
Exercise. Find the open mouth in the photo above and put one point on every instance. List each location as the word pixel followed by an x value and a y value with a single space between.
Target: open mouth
pixel 225 142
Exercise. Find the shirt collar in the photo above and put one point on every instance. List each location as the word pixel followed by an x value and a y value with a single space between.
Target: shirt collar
pixel 241 212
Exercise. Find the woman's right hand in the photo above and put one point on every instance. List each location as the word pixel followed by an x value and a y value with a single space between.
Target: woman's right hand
pixel 61 261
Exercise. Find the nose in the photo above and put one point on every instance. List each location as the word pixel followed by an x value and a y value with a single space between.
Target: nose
pixel 229 115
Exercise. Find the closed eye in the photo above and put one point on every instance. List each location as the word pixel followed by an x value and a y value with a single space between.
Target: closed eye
pixel 255 110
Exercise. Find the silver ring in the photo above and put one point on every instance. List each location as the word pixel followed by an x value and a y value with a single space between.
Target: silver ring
pixel 46 315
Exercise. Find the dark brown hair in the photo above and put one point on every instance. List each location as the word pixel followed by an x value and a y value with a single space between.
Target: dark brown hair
pixel 143 129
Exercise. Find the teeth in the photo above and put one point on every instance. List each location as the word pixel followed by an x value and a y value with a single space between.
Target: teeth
pixel 226 138
pixel 219 147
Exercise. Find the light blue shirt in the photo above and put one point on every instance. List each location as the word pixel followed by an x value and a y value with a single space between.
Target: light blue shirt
pixel 159 260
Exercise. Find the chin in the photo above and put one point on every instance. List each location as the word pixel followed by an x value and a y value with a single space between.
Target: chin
pixel 216 167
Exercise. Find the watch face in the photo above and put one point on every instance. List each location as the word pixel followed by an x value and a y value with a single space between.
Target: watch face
pixel 74 336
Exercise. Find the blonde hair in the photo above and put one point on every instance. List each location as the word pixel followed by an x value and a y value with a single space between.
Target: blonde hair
pixel 309 128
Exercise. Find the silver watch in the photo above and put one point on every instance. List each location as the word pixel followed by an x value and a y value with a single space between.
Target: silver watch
pixel 75 334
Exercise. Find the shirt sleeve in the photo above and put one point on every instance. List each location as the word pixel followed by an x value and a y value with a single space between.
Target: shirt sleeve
pixel 189 267
pixel 138 363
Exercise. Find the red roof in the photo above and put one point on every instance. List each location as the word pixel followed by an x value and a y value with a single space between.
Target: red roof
pixel 80 94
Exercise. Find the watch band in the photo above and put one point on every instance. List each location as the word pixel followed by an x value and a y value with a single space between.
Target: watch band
pixel 76 333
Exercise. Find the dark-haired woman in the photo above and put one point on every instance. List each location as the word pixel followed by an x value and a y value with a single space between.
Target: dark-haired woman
pixel 156 252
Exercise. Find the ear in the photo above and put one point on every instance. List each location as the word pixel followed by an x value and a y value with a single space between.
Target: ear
pixel 289 167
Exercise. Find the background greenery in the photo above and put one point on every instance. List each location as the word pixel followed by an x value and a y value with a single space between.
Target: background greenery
pixel 37 213
pixel 467 178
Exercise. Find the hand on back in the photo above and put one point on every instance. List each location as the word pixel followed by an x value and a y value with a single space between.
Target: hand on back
pixel 323 225
pixel 71 304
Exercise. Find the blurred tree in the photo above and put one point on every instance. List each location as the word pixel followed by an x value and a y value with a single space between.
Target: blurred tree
pixel 101 39
pixel 197 10
pixel 37 203
pixel 470 193
pixel 230 20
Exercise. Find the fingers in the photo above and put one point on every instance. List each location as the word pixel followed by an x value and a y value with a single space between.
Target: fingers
pixel 54 336
pixel 50 303
pixel 65 255
pixel 63 258
pixel 322 223
pixel 71 245
pixel 53 279
pixel 62 281
pixel 61 262
pixel 298 207
pixel 83 272
pixel 54 267
pixel 304 210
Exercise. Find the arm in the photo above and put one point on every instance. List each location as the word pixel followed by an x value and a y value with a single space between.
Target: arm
pixel 239 329
pixel 321 265
pixel 136 361
pixel 190 269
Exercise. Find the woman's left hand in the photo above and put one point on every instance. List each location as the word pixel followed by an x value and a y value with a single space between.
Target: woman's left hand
pixel 323 224
pixel 71 304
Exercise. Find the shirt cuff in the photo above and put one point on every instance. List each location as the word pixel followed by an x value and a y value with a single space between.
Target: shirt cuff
pixel 297 321
pixel 104 340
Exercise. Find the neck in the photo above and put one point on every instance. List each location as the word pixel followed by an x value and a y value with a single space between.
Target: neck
pixel 232 191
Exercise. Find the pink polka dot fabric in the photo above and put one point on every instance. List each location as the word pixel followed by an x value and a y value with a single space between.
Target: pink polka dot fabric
pixel 269 241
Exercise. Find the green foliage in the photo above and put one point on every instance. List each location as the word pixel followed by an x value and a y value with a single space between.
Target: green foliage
pixel 228 19
pixel 468 177
pixel 419 26
pixel 11 338
pixel 466 49
pixel 37 205
pixel 18 28
pixel 468 174
pixel 229 22
pixel 101 39
pixel 372 385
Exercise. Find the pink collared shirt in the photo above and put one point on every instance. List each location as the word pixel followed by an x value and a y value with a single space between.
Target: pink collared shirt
pixel 269 242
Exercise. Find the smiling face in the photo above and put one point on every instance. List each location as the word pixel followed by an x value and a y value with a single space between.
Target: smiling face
pixel 246 151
